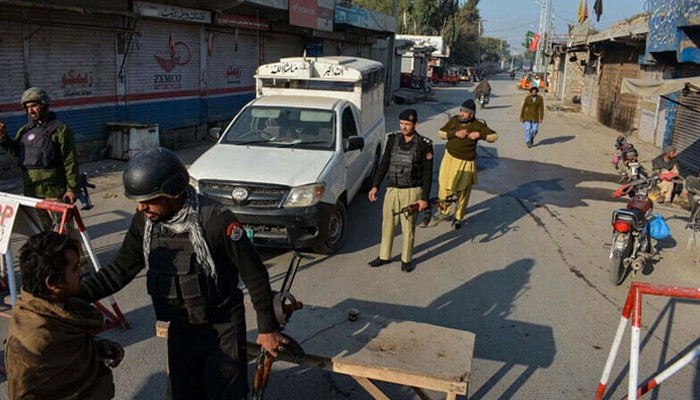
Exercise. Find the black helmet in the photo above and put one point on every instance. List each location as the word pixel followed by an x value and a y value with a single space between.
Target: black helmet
pixel 153 173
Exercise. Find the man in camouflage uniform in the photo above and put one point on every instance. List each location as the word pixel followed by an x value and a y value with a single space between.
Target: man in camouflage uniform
pixel 45 148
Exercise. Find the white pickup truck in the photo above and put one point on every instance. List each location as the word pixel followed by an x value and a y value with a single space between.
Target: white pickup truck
pixel 291 161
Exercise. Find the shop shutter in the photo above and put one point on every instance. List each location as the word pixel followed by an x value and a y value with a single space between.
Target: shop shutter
pixel 330 47
pixel 77 67
pixel 686 130
pixel 12 64
pixel 278 45
pixel 230 73
pixel 163 74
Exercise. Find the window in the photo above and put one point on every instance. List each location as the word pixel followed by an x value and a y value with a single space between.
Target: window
pixel 349 126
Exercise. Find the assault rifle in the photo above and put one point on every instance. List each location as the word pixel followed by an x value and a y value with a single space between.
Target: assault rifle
pixel 284 304
pixel 433 202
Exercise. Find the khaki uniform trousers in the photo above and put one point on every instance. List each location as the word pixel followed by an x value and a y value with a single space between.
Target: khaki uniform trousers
pixel 394 200
pixel 456 177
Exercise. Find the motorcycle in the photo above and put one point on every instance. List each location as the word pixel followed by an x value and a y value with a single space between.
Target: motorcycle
pixel 483 100
pixel 631 244
pixel 626 159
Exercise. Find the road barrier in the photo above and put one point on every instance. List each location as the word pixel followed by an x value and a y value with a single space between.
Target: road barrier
pixel 22 208
pixel 633 307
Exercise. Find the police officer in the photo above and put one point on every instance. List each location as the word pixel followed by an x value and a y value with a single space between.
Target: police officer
pixel 408 158
pixel 194 250
pixel 45 148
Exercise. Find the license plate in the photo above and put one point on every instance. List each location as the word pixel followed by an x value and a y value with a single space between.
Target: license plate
pixel 249 233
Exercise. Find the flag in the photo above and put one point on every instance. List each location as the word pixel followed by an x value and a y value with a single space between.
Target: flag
pixel 598 8
pixel 585 11
pixel 580 12
pixel 528 38
pixel 535 42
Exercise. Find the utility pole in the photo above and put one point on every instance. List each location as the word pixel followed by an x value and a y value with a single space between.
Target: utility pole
pixel 542 32
pixel 391 54
pixel 478 42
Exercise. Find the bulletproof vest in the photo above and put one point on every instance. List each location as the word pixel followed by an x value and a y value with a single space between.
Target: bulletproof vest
pixel 37 149
pixel 178 285
pixel 403 169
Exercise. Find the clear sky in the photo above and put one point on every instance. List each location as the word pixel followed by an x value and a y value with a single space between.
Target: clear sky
pixel 511 19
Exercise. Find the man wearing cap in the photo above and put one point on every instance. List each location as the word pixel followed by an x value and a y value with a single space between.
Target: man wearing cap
pixel 45 148
pixel 666 162
pixel 193 250
pixel 458 167
pixel 408 159
pixel 531 115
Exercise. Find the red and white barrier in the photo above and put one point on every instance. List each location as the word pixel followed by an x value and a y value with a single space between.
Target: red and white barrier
pixel 633 307
pixel 10 207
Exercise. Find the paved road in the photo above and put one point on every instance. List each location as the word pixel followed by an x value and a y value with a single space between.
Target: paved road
pixel 527 273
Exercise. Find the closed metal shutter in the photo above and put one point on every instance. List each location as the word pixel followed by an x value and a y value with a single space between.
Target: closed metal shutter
pixel 330 47
pixel 277 45
pixel 77 67
pixel 163 74
pixel 230 73
pixel 12 65
pixel 686 130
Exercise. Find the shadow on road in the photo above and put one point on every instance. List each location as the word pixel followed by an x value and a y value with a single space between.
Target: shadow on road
pixel 555 140
pixel 482 306
pixel 153 388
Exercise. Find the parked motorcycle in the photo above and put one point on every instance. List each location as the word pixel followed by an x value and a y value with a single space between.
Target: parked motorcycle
pixel 631 244
pixel 626 159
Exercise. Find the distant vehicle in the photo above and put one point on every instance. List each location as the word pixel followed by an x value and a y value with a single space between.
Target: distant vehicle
pixel 527 81
pixel 445 75
pixel 293 159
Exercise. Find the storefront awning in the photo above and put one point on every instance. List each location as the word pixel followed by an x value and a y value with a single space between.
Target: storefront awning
pixel 652 87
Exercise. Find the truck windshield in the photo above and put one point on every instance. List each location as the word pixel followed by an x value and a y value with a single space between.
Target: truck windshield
pixel 283 127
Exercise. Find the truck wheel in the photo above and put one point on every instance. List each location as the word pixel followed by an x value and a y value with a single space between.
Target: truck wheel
pixel 369 180
pixel 332 229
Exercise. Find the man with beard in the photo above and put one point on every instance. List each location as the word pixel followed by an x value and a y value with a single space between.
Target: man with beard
pixel 458 166
pixel 194 250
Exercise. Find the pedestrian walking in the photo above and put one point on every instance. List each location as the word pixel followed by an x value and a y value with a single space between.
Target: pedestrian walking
pixel 666 162
pixel 408 160
pixel 458 167
pixel 51 351
pixel 194 250
pixel 532 115
pixel 45 149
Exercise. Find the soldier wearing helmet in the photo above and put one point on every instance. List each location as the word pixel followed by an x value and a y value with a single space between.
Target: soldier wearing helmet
pixel 194 250
pixel 45 149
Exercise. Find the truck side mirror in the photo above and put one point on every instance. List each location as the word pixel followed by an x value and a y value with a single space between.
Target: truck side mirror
pixel 354 143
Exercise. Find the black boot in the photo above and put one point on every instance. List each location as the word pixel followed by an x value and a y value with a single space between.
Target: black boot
pixel 407 266
pixel 377 262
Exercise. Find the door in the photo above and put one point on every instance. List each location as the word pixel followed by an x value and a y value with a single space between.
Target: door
pixel 354 166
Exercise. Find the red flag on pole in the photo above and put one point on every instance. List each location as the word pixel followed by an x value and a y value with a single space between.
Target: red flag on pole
pixel 535 41
pixel 585 11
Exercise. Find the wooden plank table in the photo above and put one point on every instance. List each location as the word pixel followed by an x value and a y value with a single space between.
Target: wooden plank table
pixel 417 355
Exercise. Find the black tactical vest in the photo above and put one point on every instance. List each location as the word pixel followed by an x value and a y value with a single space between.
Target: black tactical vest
pixel 404 169
pixel 180 288
pixel 37 150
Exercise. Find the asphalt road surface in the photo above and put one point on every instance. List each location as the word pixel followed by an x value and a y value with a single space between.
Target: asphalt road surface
pixel 527 273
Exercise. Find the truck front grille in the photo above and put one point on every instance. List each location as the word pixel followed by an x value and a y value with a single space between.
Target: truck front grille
pixel 259 195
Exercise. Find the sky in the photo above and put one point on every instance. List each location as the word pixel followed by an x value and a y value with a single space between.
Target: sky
pixel 511 19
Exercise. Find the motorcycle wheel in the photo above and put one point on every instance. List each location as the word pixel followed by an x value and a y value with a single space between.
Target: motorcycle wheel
pixel 617 267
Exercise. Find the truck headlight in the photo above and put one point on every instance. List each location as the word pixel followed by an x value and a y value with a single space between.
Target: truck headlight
pixel 194 183
pixel 305 196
